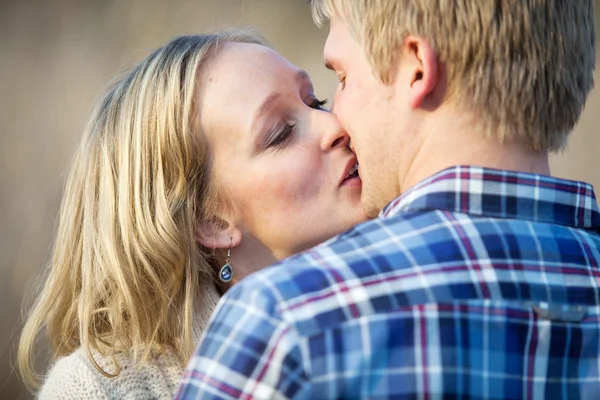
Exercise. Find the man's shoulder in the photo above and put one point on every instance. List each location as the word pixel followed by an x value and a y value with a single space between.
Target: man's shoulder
pixel 330 259
pixel 305 288
pixel 418 257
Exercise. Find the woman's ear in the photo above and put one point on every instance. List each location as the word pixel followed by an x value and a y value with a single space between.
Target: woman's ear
pixel 216 233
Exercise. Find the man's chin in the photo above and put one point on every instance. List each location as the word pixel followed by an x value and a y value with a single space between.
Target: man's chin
pixel 373 201
pixel 370 207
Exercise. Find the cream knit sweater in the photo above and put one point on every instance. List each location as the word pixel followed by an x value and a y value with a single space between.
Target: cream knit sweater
pixel 75 377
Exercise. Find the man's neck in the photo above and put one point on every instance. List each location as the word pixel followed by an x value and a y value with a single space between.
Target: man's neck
pixel 450 141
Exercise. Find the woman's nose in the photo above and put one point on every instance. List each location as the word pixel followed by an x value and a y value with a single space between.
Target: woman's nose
pixel 333 134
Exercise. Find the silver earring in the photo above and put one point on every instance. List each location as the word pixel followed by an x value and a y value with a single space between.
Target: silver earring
pixel 226 272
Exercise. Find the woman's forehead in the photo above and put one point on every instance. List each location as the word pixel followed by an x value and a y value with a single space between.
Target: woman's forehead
pixel 235 84
pixel 241 76
pixel 246 61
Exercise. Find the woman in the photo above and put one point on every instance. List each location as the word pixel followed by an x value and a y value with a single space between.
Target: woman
pixel 210 158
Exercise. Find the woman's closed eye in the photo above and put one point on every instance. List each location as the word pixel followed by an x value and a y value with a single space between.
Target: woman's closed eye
pixel 284 134
pixel 282 137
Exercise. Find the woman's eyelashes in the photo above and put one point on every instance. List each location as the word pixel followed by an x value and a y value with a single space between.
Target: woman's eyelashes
pixel 286 132
pixel 318 104
pixel 283 136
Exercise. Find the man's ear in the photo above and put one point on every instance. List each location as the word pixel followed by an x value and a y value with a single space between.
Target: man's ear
pixel 216 233
pixel 423 65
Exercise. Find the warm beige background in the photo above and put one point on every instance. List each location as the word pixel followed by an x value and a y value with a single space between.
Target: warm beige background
pixel 56 56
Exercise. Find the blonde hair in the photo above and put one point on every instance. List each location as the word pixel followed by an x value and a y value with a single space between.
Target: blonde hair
pixel 125 267
pixel 527 67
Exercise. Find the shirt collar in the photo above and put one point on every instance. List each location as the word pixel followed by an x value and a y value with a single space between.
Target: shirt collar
pixel 502 194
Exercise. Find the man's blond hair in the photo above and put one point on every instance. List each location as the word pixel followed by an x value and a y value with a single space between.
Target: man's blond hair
pixel 525 67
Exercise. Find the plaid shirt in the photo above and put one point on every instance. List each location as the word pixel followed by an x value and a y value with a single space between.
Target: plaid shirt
pixel 476 283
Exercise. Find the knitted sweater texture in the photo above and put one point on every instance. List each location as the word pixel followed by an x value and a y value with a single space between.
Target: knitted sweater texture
pixel 75 377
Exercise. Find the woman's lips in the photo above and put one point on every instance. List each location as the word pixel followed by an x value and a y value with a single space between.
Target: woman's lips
pixel 352 177
pixel 352 182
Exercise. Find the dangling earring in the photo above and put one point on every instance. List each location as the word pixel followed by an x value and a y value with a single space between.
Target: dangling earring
pixel 226 272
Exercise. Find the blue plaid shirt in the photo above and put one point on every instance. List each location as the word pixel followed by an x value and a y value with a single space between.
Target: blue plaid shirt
pixel 476 283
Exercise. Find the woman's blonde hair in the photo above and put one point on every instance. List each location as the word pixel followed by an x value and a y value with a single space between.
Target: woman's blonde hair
pixel 125 267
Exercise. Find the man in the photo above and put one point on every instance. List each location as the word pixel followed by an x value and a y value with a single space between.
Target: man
pixel 479 278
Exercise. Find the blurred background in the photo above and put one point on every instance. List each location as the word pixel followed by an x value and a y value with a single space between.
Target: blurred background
pixel 55 59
